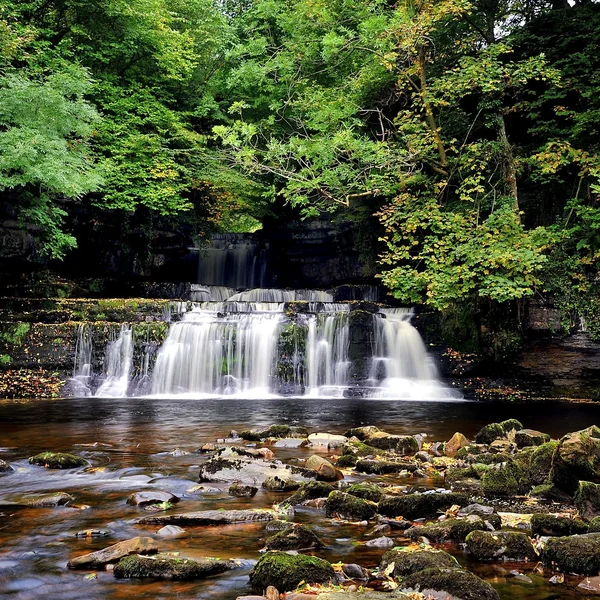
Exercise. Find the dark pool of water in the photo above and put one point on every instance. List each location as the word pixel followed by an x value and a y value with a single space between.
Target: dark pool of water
pixel 134 441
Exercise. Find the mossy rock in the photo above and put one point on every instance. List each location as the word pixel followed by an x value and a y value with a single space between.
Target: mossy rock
pixel 401 444
pixel 488 433
pixel 278 484
pixel 5 467
pixel 416 506
pixel 457 583
pixel 294 537
pixel 360 449
pixel 169 567
pixel 541 462
pixel 274 431
pixel 530 437
pixel 576 458
pixel 346 460
pixel 475 471
pixel 594 525
pixel 366 491
pixel 455 530
pixel 488 458
pixel 511 424
pixel 346 506
pixel 383 467
pixel 508 479
pixel 578 554
pixel 545 524
pixel 547 491
pixel 310 491
pixel 362 433
pixel 587 500
pixel 409 562
pixel 285 571
pixel 506 545
pixel 58 460
pixel 469 453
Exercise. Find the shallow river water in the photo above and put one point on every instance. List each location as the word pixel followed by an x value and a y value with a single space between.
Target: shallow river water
pixel 136 444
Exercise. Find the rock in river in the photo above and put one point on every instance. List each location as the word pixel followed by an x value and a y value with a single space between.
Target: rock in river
pixel 415 506
pixel 211 517
pixel 506 545
pixel 579 554
pixel 101 558
pixel 456 583
pixel 294 537
pixel 165 566
pixel 58 460
pixel 406 562
pixel 346 506
pixel 151 497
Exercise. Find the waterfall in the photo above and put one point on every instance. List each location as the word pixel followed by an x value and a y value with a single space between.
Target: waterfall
pixel 119 362
pixel 82 370
pixel 274 295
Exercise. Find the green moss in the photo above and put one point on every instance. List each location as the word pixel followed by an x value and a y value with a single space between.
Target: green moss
pixel 361 449
pixel 541 462
pixel 489 433
pixel 346 460
pixel 310 491
pixel 508 545
pixel 362 433
pixel 455 530
pixel 453 582
pixel 545 524
pixel 507 479
pixel 511 424
pixel 58 460
pixel 366 491
pixel 587 500
pixel 409 562
pixel 383 467
pixel 579 554
pixel 346 506
pixel 168 567
pixel 415 506
pixel 286 571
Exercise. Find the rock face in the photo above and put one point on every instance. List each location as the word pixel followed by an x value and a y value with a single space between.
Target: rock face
pixel 101 558
pixel 579 554
pixel 211 517
pixel 169 567
pixel 456 583
pixel 285 571
pixel 507 545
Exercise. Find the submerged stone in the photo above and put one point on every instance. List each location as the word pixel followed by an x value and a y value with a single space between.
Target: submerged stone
pixel 58 460
pixel 285 571
pixel 165 566
pixel 151 497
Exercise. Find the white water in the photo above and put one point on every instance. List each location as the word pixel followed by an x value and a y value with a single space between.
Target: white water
pixel 119 362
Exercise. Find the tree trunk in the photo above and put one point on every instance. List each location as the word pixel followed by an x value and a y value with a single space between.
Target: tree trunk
pixel 510 170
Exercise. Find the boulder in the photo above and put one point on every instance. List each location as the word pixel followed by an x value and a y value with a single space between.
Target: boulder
pixel 576 458
pixel 294 537
pixel 455 443
pixel 587 500
pixel 506 545
pixel 547 524
pixel 114 553
pixel 357 448
pixel 165 566
pixel 456 583
pixel 508 479
pixel 323 468
pixel 285 571
pixel 406 562
pixel 401 444
pixel 346 506
pixel 540 462
pixel 210 517
pixel 578 554
pixel 366 491
pixel 310 491
pixel 530 437
pixel 58 460
pixel 171 532
pixel 455 530
pixel 276 484
pixel 151 497
pixel 488 433
pixel 415 506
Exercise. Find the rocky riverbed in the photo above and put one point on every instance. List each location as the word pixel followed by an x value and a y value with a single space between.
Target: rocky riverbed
pixel 286 512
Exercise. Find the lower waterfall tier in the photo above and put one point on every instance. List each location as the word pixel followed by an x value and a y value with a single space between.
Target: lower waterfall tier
pixel 262 349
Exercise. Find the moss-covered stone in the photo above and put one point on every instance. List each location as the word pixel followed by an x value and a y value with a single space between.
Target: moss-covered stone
pixel 488 433
pixel 469 453
pixel 507 545
pixel 362 433
pixel 366 491
pixel 579 554
pixel 594 525
pixel 5 467
pixel 285 571
pixel 415 506
pixel 407 562
pixel 455 530
pixel 360 449
pixel 294 537
pixel 511 424
pixel 456 583
pixel 58 460
pixel 278 484
pixel 310 491
pixel 274 431
pixel 546 524
pixel 541 462
pixel 346 506
pixel 402 444
pixel 508 479
pixel 346 460
pixel 530 437
pixel 384 467
pixel 475 471
pixel 164 566
pixel 587 500
pixel 547 491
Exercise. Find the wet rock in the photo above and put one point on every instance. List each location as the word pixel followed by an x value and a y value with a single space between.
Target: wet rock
pixel 455 443
pixel 502 447
pixel 414 506
pixel 348 595
pixel 549 492
pixel 576 458
pixel 488 433
pixel 541 462
pixel 590 585
pixel 437 449
pixel 151 497
pixel 362 433
pixel 366 491
pixel 355 572
pixel 508 479
pixel 5 467
pixel 277 525
pixel 594 525
pixel 546 524
pixel 274 431
pixel 291 443
pixel 294 537
pixel 357 448
pixel 406 562
pixel 530 437
pixel 520 577
pixel 165 566
pixel 380 530
pixel 58 460
pixel 346 506
pixel 587 500
pixel 455 530
pixel 323 468
pixel 380 542
pixel 310 491
pixel 276 484
pixel 395 524
pixel 457 583
pixel 101 558
pixel 578 554
pixel 327 440
pixel 346 460
pixel 383 467
pixel 474 471
pixel 511 425
pixel 402 444
pixel 242 491
pixel 171 531
pixel 211 517
pixel 507 545
pixel 88 533
pixel 285 571
pixel 423 456
pixel 485 512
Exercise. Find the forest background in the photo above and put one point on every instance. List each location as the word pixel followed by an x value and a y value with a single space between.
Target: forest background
pixel 461 137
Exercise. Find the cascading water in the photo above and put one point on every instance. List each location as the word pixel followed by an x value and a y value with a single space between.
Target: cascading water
pixel 82 370
pixel 119 362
